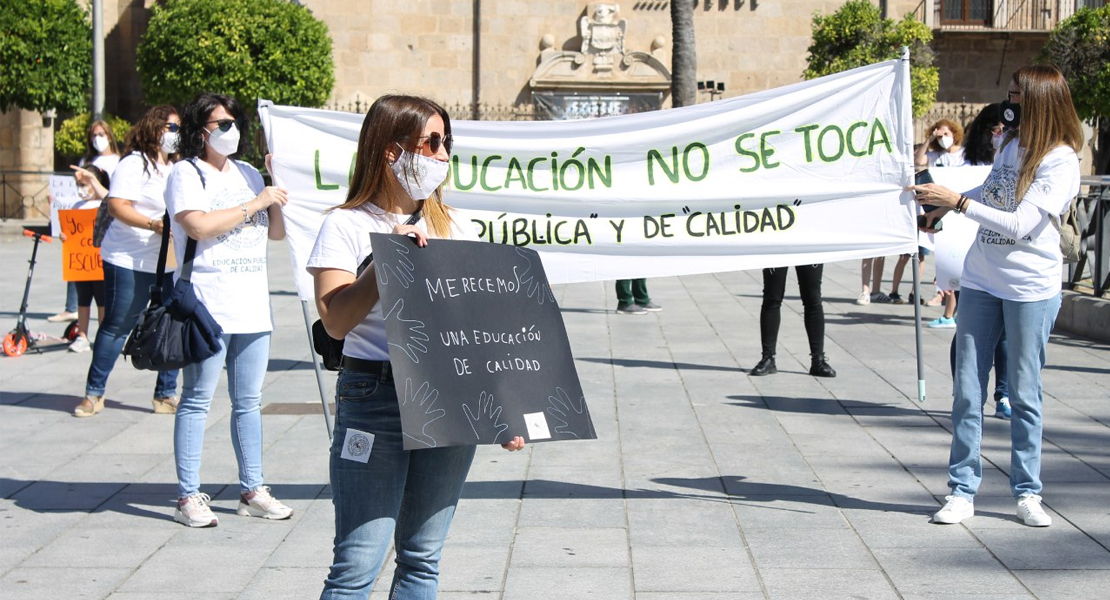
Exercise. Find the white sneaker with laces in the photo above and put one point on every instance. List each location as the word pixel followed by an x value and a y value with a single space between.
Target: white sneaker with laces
pixel 863 299
pixel 1030 512
pixel 194 512
pixel 80 344
pixel 260 503
pixel 956 509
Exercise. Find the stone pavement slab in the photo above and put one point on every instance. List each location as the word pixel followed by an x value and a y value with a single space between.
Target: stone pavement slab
pixel 704 483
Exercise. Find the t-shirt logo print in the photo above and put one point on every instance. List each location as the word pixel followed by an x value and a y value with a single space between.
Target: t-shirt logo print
pixel 358 445
pixel 249 233
pixel 1000 189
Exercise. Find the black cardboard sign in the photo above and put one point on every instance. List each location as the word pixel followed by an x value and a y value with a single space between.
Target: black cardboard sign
pixel 477 344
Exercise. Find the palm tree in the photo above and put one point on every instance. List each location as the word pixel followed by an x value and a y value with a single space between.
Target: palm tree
pixel 684 58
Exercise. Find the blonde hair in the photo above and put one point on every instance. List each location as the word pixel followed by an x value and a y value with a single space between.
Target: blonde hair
pixel 1048 119
pixel 395 119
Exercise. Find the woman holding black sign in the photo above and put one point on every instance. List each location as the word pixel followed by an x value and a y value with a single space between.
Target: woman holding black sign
pixel 1011 280
pixel 378 488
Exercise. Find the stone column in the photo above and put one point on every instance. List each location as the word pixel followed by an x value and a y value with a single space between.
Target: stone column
pixel 26 161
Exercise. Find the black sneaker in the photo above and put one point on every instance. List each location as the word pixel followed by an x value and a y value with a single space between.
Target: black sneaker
pixel 896 298
pixel 631 309
pixel 765 366
pixel 819 367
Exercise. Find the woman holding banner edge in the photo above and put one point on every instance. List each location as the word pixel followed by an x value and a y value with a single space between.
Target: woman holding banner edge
pixel 396 187
pixel 1011 279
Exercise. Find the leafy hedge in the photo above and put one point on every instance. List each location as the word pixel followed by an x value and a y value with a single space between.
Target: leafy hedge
pixel 248 49
pixel 69 139
pixel 1080 48
pixel 856 35
pixel 45 55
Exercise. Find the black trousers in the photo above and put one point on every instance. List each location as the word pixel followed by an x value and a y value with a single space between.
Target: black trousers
pixel 774 288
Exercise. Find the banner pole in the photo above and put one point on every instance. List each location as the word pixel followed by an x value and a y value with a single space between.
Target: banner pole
pixel 328 420
pixel 914 264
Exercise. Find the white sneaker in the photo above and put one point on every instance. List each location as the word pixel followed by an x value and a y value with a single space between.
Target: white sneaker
pixel 1030 512
pixel 194 512
pixel 260 503
pixel 863 299
pixel 956 509
pixel 62 317
pixel 80 344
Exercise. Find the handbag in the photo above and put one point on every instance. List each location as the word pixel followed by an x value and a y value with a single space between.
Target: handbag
pixel 180 331
pixel 1071 234
pixel 329 348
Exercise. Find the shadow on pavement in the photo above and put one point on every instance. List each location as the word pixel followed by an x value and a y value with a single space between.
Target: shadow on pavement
pixel 63 402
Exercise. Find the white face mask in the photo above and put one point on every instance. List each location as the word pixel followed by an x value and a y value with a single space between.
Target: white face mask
pixel 169 142
pixel 429 174
pixel 225 143
pixel 996 139
pixel 100 142
pixel 945 142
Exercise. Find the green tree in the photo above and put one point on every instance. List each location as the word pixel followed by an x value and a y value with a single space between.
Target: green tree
pixel 45 55
pixel 249 49
pixel 857 35
pixel 69 139
pixel 1080 48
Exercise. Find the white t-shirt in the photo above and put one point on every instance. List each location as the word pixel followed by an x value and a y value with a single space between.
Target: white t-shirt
pixel 106 162
pixel 344 242
pixel 229 270
pixel 1026 269
pixel 944 158
pixel 132 247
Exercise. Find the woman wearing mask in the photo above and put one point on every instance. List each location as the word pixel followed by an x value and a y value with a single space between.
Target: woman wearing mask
pixel 409 496
pixel 130 252
pixel 1011 280
pixel 224 205
pixel 100 151
pixel 942 148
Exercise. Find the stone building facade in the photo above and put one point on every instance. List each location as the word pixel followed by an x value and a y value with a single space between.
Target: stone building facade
pixel 567 55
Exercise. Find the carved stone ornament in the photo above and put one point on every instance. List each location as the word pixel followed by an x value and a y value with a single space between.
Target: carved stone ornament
pixel 603 63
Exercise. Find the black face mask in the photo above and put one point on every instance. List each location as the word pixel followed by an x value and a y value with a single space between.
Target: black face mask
pixel 1011 114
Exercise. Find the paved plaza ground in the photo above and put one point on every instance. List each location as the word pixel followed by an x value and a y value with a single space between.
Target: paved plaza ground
pixel 705 483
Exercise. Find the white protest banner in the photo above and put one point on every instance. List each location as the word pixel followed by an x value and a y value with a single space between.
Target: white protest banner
pixel 808 173
pixel 958 233
pixel 63 194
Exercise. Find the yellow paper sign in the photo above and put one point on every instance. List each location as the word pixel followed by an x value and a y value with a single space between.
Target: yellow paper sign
pixel 80 259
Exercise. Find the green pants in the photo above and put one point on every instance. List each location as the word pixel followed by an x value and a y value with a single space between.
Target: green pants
pixel 631 291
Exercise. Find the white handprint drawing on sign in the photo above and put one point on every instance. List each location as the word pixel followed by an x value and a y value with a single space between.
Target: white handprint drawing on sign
pixel 423 397
pixel 485 420
pixel 403 271
pixel 530 284
pixel 413 340
pixel 561 408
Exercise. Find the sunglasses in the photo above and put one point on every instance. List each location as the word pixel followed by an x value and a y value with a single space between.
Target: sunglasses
pixel 223 124
pixel 173 127
pixel 435 141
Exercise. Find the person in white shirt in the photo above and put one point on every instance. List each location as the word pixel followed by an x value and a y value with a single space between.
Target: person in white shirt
pixel 130 253
pixel 942 148
pixel 1011 280
pixel 406 496
pixel 100 151
pixel 224 205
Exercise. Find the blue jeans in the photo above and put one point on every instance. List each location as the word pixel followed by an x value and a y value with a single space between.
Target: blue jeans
pixel 128 293
pixel 246 356
pixel 409 494
pixel 1001 389
pixel 71 297
pixel 1027 326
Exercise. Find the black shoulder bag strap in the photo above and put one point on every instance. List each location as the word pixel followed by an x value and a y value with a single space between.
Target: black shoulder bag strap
pixel 412 220
pixel 186 270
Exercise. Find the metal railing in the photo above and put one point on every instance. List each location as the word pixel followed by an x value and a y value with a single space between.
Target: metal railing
pixel 25 194
pixel 1094 220
pixel 996 15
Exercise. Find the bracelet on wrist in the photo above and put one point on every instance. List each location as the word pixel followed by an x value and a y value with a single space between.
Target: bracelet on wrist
pixel 243 207
pixel 150 224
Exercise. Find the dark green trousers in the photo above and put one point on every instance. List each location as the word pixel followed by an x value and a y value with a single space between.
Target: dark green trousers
pixel 632 291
